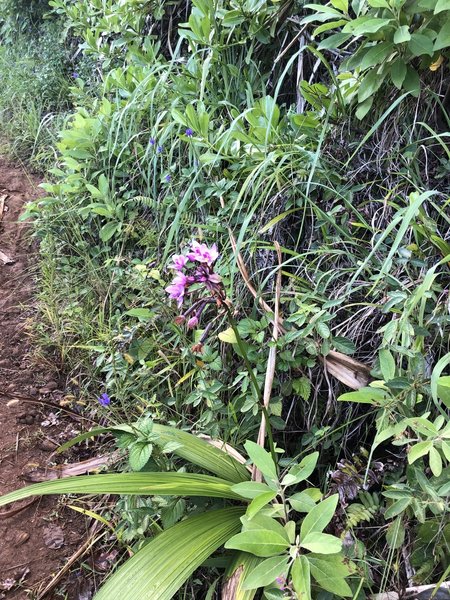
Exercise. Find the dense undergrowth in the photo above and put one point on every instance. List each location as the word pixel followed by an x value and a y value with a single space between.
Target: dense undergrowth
pixel 309 143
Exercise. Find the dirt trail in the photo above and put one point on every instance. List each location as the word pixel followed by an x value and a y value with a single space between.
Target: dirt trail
pixel 35 542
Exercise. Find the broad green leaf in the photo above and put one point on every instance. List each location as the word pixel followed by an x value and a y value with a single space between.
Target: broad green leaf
pixel 266 572
pixel 259 502
pixel 402 35
pixel 376 55
pixel 330 572
pixel 397 507
pixel 108 230
pixel 443 38
pixel 228 336
pixel 398 72
pixel 159 569
pixel 301 578
pixel 319 517
pixel 395 534
pixel 301 471
pixel 420 44
pixel 141 313
pixel 334 41
pixel 340 5
pixel 303 501
pixel 143 484
pixel 419 450
pixel 435 462
pixel 321 543
pixel 411 82
pixel 441 5
pixel 139 455
pixel 261 459
pixel 387 364
pixel 443 389
pixel 366 395
pixel 369 85
pixel 446 449
pixel 250 489
pixel 260 521
pixel 260 542
pixel 364 108
pixel 364 25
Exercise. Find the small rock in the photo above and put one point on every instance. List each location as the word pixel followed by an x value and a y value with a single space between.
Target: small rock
pixel 21 537
pixel 47 445
pixel 53 537
pixel 33 391
pixel 29 420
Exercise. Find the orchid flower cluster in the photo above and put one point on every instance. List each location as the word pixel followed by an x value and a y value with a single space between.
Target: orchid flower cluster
pixel 194 273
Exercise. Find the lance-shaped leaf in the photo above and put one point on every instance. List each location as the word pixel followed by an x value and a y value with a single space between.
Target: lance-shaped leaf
pixel 162 566
pixel 143 484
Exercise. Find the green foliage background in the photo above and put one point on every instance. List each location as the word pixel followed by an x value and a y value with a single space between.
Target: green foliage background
pixel 322 127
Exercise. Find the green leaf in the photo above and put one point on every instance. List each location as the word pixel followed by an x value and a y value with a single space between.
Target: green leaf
pixel 395 534
pixel 387 364
pixel 141 313
pixel 402 35
pixel 144 484
pixel 443 389
pixel 202 454
pixel 366 395
pixel 364 25
pixel 261 459
pixel 302 387
pixel 419 450
pixel 240 566
pixel 411 83
pixel 441 5
pixel 108 230
pixel 446 449
pixel 323 330
pixel 435 375
pixel 397 507
pixel 435 462
pixel 160 568
pixel 260 521
pixel 330 572
pixel 364 108
pixel 443 39
pixel 260 542
pixel 398 72
pixel 303 501
pixel 266 572
pixel 343 344
pixel 420 44
pixel 319 517
pixel 340 5
pixel 369 85
pixel 250 489
pixel 376 55
pixel 301 471
pixel 139 454
pixel 321 543
pixel 301 578
pixel 228 336
pixel 259 502
pixel 334 41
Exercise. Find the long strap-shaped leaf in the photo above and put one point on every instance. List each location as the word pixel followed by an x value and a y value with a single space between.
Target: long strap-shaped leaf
pixel 191 448
pixel 144 484
pixel 158 570
pixel 202 454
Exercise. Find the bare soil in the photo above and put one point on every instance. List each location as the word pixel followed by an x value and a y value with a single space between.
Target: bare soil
pixel 37 539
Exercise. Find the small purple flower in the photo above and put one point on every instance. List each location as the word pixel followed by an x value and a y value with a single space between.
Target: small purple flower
pixel 104 399
pixel 152 141
pixel 189 132
pixel 159 149
pixel 178 262
pixel 281 583
pixel 202 254
pixel 167 178
pixel 177 288
pixel 75 75
pixel 193 322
